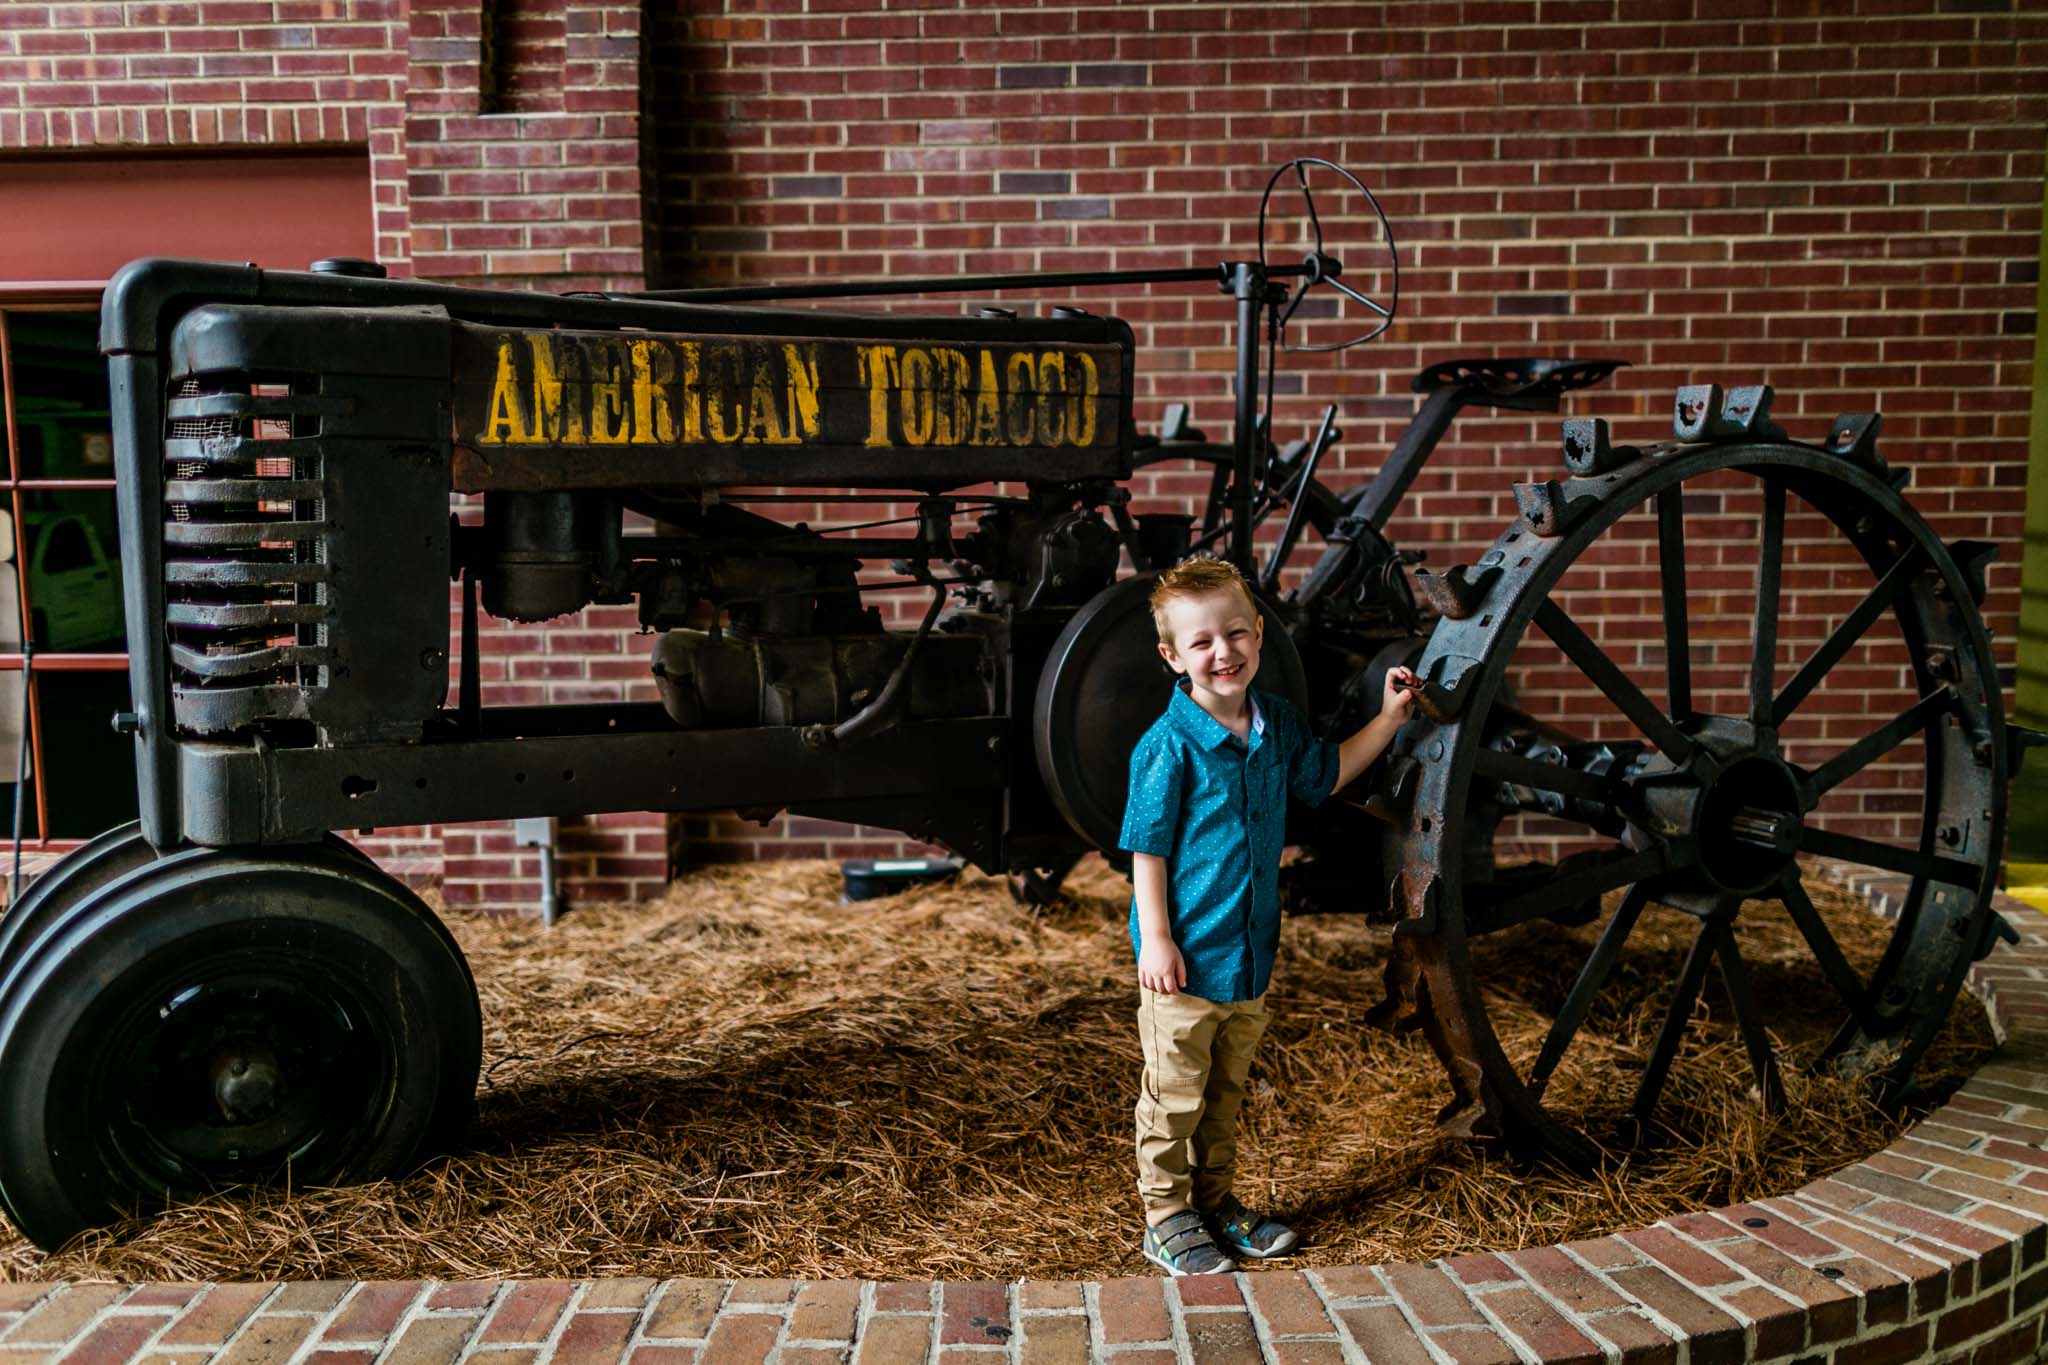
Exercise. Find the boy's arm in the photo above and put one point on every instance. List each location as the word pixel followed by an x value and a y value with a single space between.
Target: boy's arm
pixel 1356 754
pixel 1160 967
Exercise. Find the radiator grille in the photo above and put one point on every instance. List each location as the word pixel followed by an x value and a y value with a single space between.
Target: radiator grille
pixel 245 574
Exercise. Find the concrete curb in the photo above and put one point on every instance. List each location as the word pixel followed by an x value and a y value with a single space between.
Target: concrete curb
pixel 1934 1249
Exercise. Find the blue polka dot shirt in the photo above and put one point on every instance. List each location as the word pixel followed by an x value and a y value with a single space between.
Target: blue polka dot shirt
pixel 1215 807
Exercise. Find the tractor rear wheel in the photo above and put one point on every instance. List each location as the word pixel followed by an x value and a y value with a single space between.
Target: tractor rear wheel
pixel 1686 778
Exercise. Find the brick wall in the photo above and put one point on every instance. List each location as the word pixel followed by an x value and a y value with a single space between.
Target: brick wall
pixel 1845 206
pixel 506 153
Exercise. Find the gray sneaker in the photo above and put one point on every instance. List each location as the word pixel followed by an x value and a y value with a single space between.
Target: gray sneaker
pixel 1245 1233
pixel 1182 1246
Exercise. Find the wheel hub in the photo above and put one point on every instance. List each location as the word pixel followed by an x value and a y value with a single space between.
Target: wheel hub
pixel 246 1080
pixel 1746 823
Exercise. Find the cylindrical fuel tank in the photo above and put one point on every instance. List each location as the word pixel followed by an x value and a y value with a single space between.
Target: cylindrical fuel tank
pixel 727 680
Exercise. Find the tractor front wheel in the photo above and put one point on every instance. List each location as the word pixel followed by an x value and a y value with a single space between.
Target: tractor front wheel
pixel 216 1019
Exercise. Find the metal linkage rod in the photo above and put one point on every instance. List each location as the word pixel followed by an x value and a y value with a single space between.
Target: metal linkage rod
pixel 954 284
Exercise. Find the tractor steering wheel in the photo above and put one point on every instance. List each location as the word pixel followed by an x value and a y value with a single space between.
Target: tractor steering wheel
pixel 1324 268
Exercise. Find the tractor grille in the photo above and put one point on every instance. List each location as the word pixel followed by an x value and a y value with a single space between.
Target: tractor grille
pixel 245 574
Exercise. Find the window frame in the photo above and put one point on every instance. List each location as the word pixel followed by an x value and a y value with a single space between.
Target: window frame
pixel 18 297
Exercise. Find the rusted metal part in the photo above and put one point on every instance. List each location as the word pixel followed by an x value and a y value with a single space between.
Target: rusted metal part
pixel 1853 436
pixel 1748 410
pixel 1458 591
pixel 1587 449
pixel 1702 412
pixel 1551 508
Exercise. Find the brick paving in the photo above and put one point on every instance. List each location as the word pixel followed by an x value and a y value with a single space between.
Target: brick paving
pixel 1935 1249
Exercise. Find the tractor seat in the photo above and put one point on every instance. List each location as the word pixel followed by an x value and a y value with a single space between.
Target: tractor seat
pixel 1515 382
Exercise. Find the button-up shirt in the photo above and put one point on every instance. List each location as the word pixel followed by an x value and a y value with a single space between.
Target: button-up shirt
pixel 1215 807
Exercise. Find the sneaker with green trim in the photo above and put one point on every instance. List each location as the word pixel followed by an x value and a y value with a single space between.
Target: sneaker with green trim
pixel 1244 1233
pixel 1182 1246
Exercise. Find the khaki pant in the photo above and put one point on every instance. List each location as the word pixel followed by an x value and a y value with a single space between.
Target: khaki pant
pixel 1197 1054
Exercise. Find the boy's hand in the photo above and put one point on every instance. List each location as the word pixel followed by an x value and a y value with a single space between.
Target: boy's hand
pixel 1397 697
pixel 1160 967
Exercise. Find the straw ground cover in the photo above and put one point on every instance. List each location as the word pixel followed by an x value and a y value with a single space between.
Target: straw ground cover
pixel 750 1079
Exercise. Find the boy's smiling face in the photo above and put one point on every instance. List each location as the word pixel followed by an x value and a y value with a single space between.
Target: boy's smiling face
pixel 1216 638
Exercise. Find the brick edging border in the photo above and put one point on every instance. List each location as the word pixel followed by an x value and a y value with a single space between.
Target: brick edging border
pixel 1934 1249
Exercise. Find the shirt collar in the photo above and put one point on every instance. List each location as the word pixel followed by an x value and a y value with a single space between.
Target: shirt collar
pixel 1204 728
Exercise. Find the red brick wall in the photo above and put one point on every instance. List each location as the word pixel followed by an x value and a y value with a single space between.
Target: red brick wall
pixel 538 184
pixel 1847 207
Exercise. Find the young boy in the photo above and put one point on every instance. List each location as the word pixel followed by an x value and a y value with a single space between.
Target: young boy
pixel 1205 825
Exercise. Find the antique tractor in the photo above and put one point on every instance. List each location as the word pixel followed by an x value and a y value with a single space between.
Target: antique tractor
pixel 226 993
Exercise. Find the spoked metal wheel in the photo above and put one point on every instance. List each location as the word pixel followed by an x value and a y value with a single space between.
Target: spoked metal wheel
pixel 1698 813
pixel 212 1019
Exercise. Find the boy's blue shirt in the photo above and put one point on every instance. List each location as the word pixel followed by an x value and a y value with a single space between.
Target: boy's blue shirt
pixel 1215 807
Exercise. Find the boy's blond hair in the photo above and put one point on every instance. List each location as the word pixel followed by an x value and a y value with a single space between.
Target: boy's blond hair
pixel 1196 577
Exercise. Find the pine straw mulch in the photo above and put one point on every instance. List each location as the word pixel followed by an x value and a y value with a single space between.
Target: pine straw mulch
pixel 750 1079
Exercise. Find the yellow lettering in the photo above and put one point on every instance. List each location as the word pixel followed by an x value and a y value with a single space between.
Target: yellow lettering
pixel 914 398
pixel 802 364
pixel 877 370
pixel 693 426
pixel 547 393
pixel 1081 406
pixel 609 424
pixel 1018 376
pixel 718 391
pixel 508 413
pixel 763 427
pixel 988 417
pixel 1052 414
pixel 954 423
pixel 653 370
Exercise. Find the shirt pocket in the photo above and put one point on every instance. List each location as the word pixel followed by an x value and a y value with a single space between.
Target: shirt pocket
pixel 1269 792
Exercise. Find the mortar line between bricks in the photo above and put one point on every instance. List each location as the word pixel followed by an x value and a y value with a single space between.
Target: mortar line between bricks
pixel 1581 1321
pixel 85 1328
pixel 1013 1348
pixel 473 1346
pixel 863 1314
pixel 1353 1353
pixel 1752 1328
pixel 242 1327
pixel 1348 1300
pixel 405 1319
pixel 1435 1352
pixel 1262 1331
pixel 1746 1279
pixel 638 1335
pixel 1962 1350
pixel 1176 1325
pixel 1968 1215
pixel 1677 1333
pixel 349 1295
pixel 1513 1339
pixel 788 1318
pixel 1938 1239
pixel 1091 1316
pixel 935 1300
pixel 320 1318
pixel 546 1353
pixel 1934 1140
pixel 161 1328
